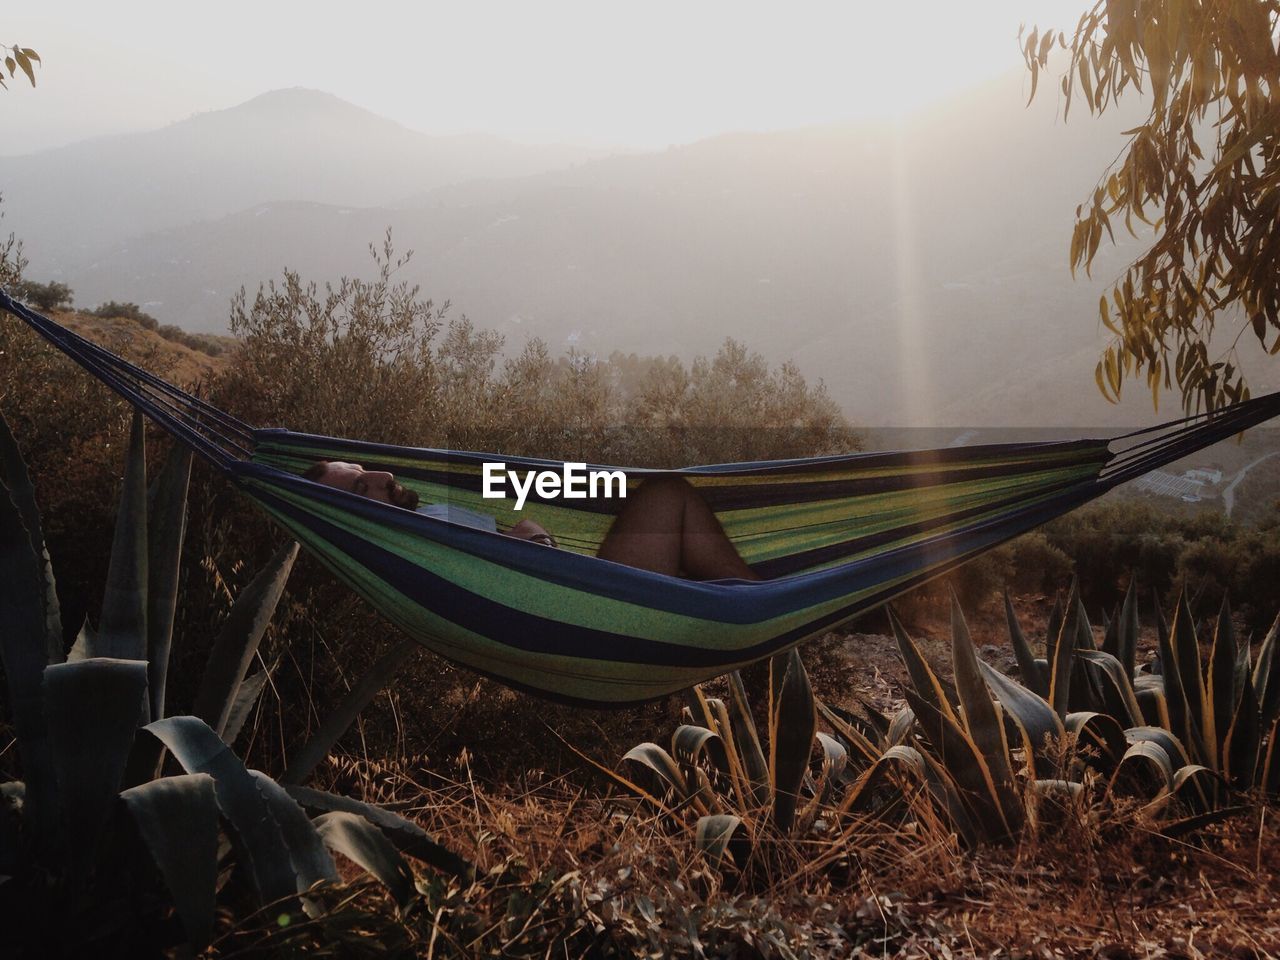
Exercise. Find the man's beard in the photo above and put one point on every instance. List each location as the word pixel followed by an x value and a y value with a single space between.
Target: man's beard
pixel 402 496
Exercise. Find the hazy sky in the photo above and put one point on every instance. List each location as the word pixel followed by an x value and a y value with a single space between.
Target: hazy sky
pixel 640 74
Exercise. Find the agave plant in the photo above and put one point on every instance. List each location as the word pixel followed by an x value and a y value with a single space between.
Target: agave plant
pixel 1213 723
pixel 718 768
pixel 978 756
pixel 1075 729
pixel 97 847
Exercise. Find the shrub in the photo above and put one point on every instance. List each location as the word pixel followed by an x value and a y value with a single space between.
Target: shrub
pixel 127 311
pixel 1038 565
pixel 12 262
pixel 44 296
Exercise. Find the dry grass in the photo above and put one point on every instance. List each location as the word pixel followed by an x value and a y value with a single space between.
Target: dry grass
pixel 568 871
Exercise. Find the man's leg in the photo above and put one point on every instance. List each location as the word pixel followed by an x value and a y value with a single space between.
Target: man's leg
pixel 667 527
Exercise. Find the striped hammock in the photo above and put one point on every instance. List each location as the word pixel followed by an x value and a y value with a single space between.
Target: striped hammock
pixel 832 536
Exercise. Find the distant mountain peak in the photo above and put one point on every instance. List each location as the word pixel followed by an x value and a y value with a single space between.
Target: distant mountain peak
pixel 292 101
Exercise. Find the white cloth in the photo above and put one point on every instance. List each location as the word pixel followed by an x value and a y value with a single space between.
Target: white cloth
pixel 459 515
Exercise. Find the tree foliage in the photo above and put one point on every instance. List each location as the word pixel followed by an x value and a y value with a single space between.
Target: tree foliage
pixel 18 57
pixel 1202 172
pixel 45 296
pixel 373 359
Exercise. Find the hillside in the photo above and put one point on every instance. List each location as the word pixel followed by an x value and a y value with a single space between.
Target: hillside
pixel 176 362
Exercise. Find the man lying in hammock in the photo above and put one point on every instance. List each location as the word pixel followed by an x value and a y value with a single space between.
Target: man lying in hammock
pixel 665 526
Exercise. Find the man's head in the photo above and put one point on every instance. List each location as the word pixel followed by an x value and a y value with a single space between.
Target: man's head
pixel 374 484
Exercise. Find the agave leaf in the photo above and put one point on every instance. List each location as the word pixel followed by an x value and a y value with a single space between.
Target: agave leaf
pixel 12 798
pixel 792 726
pixel 1171 677
pixel 716 709
pixel 122 630
pixel 83 643
pixel 877 720
pixel 408 837
pixel 1063 654
pixel 907 762
pixel 651 757
pixel 864 749
pixel 1103 734
pixel 309 755
pixel 1053 630
pixel 1143 771
pixel 981 717
pixel 1148 688
pixel 1195 716
pixel 834 760
pixel 1196 787
pixel 246 699
pixel 747 741
pixel 360 841
pixel 166 529
pixel 1244 667
pixel 1041 726
pixel 714 836
pixel 688 746
pixel 1266 677
pixel 946 797
pixel 1111 633
pixel 1118 697
pixel 1241 745
pixel 1128 629
pixel 1028 669
pixel 903 722
pixel 695 702
pixel 92 710
pixel 177 818
pixel 861 795
pixel 927 685
pixel 1084 630
pixel 1162 634
pixel 1197 822
pixel 1162 738
pixel 16 479
pixel 197 748
pixel 24 651
pixel 992 804
pixel 1269 777
pixel 239 637
pixel 1220 705
pixel 1053 796
pixel 311 861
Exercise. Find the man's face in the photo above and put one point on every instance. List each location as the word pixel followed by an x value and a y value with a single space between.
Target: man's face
pixel 374 484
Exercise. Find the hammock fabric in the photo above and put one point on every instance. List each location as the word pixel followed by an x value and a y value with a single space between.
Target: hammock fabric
pixel 833 536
